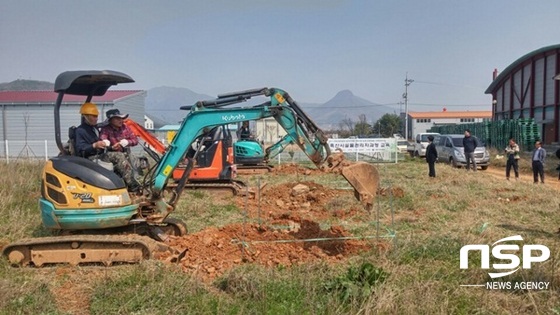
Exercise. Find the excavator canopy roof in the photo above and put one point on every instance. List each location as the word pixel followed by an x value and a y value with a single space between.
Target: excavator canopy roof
pixel 89 82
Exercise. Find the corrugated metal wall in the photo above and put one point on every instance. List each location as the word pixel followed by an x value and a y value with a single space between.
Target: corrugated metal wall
pixel 550 72
pixel 539 82
pixel 516 95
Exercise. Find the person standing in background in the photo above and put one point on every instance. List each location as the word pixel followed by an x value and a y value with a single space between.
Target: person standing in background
pixel 539 155
pixel 431 156
pixel 512 155
pixel 469 144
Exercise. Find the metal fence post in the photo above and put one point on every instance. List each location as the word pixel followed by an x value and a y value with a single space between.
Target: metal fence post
pixel 7 152
pixel 356 147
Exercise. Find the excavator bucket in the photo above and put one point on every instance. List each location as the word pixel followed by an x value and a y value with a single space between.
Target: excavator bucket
pixel 364 178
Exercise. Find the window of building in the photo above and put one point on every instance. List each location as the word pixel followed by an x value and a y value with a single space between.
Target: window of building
pixel 467 119
pixel 423 120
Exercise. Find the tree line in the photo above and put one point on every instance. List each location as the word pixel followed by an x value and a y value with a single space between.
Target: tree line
pixel 384 127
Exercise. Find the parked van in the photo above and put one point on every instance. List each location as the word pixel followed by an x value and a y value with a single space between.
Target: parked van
pixel 450 150
pixel 418 149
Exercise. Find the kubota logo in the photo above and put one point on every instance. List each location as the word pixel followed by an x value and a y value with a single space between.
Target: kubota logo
pixel 233 117
pixel 500 251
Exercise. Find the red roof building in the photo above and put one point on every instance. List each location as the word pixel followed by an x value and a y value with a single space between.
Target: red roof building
pixel 27 118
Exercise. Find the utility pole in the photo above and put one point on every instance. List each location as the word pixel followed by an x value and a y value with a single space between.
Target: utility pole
pixel 407 82
pixel 401 130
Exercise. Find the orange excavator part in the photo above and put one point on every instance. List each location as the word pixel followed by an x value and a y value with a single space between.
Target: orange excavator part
pixel 141 132
pixel 210 172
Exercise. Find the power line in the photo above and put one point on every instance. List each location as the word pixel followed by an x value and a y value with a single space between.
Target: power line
pixel 450 84
pixel 452 105
pixel 368 106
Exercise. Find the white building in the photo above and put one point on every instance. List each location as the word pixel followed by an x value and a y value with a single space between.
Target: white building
pixel 422 121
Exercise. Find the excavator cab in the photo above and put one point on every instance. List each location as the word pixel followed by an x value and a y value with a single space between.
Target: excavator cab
pixel 214 159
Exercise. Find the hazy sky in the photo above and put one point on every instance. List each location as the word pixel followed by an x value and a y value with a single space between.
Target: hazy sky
pixel 313 49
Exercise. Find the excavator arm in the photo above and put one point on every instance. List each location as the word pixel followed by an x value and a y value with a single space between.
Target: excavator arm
pixel 300 130
pixel 152 142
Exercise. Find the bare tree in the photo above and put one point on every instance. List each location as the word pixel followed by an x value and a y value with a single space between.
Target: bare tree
pixel 347 123
pixel 362 119
pixel 362 128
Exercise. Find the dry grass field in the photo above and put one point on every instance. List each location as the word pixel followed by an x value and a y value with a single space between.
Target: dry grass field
pixel 400 258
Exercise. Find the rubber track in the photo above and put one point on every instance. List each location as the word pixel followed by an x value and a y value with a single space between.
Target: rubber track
pixel 93 242
pixel 237 187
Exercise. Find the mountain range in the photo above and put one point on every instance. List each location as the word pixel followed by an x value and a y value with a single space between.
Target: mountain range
pixel 344 105
pixel 163 103
pixel 26 85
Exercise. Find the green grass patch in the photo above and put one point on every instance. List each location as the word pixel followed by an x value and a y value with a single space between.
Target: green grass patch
pixel 152 288
pixel 418 274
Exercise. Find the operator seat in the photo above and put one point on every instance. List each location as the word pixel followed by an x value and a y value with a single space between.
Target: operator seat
pixel 70 146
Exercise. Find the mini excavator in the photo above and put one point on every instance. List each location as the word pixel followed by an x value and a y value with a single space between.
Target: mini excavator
pixel 249 157
pixel 100 222
pixel 213 169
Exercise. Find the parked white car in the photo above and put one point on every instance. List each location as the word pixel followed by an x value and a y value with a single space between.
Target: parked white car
pixel 402 145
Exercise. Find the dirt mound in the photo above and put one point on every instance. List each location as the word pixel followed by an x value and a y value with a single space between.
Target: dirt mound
pixel 288 231
pixel 294 169
pixel 288 242
pixel 307 199
pixel 396 192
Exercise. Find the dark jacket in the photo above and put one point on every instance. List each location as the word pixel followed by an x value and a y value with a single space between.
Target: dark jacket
pixel 431 153
pixel 244 133
pixel 539 155
pixel 86 135
pixel 469 144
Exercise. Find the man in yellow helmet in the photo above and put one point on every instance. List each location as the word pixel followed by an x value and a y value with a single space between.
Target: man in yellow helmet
pixel 90 145
pixel 87 136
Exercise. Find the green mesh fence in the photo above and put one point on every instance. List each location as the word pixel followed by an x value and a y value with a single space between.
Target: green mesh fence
pixel 496 134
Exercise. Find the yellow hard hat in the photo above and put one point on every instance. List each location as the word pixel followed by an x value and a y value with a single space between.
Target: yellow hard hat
pixel 89 109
